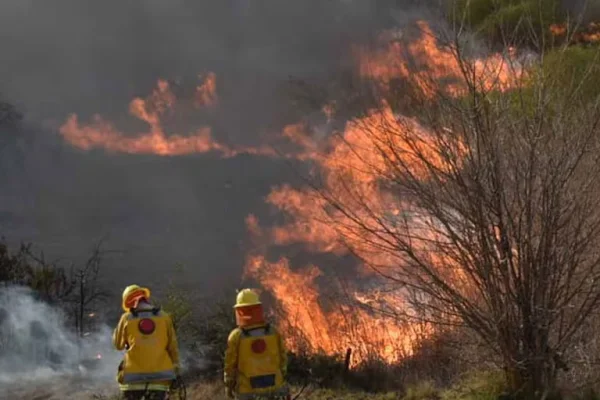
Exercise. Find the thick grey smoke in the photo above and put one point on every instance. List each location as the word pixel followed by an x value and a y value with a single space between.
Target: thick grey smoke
pixel 69 56
pixel 37 348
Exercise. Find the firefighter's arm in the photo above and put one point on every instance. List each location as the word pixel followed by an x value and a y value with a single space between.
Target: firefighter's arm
pixel 231 358
pixel 119 337
pixel 283 354
pixel 172 344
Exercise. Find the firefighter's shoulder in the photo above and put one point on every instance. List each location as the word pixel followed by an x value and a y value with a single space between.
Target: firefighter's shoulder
pixel 234 334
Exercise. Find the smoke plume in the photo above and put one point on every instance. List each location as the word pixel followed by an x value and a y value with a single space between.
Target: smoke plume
pixel 68 57
pixel 36 346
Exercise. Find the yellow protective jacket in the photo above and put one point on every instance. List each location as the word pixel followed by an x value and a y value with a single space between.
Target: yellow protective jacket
pixel 255 360
pixel 152 354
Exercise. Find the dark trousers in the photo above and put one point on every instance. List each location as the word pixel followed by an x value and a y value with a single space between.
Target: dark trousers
pixel 139 394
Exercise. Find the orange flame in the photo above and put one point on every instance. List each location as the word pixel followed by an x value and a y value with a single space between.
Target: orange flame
pixel 354 164
pixel 587 34
pixel 344 326
pixel 206 93
pixel 431 67
pixel 102 134
pixel 558 29
pixel 369 150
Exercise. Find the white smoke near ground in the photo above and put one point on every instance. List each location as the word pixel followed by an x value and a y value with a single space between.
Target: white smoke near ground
pixel 37 346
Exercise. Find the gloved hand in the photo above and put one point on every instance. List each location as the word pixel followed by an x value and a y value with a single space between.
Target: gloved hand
pixel 229 392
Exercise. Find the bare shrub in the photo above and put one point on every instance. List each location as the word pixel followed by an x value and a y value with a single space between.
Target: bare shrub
pixel 482 207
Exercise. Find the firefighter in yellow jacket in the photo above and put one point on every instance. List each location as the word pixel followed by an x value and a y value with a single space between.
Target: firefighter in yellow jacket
pixel 151 359
pixel 256 358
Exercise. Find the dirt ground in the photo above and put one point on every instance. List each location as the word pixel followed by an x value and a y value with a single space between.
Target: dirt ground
pixel 57 389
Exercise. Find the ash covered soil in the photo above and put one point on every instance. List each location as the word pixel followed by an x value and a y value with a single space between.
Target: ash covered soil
pixel 58 388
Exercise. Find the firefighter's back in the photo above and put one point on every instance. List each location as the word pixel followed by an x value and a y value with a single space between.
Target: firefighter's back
pixel 259 364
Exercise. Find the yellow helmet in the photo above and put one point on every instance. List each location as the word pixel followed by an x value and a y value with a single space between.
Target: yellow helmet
pixel 247 297
pixel 132 294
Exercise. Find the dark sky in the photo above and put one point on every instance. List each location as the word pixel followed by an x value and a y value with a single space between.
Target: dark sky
pixel 72 56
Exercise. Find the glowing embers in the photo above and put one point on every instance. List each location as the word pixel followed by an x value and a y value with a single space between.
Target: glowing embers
pixel 146 326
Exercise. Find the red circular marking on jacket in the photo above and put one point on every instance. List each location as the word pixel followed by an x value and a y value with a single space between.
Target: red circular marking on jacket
pixel 259 346
pixel 146 326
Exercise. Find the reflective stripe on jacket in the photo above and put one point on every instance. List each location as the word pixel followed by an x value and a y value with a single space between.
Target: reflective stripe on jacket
pixel 144 386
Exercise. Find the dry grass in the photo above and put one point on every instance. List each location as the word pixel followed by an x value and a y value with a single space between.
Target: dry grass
pixel 205 391
pixel 216 391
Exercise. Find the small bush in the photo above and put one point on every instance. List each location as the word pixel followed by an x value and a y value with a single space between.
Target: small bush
pixel 512 19
pixel 376 376
pixel 589 394
pixel 422 391
pixel 317 369
pixel 576 64
pixel 213 326
pixel 477 386
pixel 329 394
